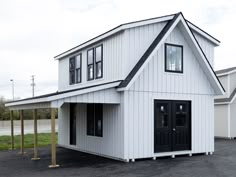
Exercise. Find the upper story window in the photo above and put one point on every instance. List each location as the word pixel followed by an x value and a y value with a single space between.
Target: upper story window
pixel 98 61
pixel 95 63
pixel 90 60
pixel 75 69
pixel 78 68
pixel 173 58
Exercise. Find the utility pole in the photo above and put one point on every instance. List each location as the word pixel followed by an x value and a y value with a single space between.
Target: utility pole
pixel 12 82
pixel 33 85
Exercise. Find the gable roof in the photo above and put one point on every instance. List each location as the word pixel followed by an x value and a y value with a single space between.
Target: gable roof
pixel 226 71
pixel 156 44
pixel 147 53
pixel 124 26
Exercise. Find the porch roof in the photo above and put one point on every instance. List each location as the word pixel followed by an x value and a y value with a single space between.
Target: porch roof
pixel 101 93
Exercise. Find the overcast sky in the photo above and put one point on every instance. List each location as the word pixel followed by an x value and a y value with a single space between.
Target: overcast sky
pixel 32 32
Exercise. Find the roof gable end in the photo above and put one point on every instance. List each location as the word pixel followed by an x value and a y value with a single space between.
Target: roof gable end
pixel 178 18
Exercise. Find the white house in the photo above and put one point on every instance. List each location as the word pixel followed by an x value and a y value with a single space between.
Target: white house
pixel 144 89
pixel 225 106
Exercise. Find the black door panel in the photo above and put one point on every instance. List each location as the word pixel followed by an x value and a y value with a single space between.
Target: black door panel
pixel 172 128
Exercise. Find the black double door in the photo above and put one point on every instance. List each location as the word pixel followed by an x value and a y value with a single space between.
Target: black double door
pixel 172 125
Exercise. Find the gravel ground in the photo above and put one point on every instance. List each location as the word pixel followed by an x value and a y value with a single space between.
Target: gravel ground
pixel 73 164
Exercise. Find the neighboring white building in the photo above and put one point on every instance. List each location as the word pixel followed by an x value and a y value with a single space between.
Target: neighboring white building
pixel 225 105
pixel 143 89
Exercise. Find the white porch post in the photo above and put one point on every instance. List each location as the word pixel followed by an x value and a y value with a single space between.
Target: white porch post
pixel 53 140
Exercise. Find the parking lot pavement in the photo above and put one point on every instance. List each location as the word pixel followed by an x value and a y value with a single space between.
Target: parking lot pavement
pixel 73 164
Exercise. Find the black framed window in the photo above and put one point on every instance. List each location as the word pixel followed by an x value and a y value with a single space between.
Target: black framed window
pixel 72 70
pixel 173 58
pixel 98 61
pixel 94 119
pixel 95 63
pixel 75 64
pixel 78 68
pixel 90 61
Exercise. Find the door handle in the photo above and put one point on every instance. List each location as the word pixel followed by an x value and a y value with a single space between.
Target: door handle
pixel 173 129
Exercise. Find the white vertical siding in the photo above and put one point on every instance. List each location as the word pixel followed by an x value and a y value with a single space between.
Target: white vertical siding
pixel 135 42
pixel 155 83
pixel 112 59
pixel 139 120
pixel 222 120
pixel 112 142
pixel 232 118
pixel 63 124
pixel 207 47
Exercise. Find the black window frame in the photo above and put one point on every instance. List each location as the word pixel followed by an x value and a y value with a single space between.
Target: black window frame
pixel 88 65
pixel 72 70
pixel 182 56
pixel 97 62
pixel 94 115
pixel 80 69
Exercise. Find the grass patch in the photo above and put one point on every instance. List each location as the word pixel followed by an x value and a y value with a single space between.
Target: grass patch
pixel 44 139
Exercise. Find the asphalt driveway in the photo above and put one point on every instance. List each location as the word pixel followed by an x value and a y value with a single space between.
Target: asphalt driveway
pixel 73 164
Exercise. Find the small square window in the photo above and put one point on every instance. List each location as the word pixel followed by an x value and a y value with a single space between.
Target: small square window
pixel 173 58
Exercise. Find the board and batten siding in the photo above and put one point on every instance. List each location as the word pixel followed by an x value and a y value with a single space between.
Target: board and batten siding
pixel 154 83
pixel 112 59
pixel 112 142
pixel 136 42
pixel 207 47
pixel 222 121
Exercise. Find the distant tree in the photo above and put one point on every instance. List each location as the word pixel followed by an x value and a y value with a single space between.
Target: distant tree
pixel 4 112
pixel 28 114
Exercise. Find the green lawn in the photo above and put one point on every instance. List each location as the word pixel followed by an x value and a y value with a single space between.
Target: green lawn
pixel 44 139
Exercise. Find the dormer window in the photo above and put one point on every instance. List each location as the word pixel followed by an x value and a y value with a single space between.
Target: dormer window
pixel 75 69
pixel 95 63
pixel 173 58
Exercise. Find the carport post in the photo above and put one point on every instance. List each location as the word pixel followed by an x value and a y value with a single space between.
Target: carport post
pixel 35 136
pixel 12 129
pixel 22 132
pixel 53 140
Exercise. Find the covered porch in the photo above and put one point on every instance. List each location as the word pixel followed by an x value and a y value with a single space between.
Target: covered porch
pixel 103 94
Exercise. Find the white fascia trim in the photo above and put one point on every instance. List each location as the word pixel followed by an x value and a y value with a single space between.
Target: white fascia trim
pixel 122 27
pixel 227 73
pixel 65 95
pixel 217 43
pixel 31 101
pixel 221 103
pixel 203 57
pixel 80 92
